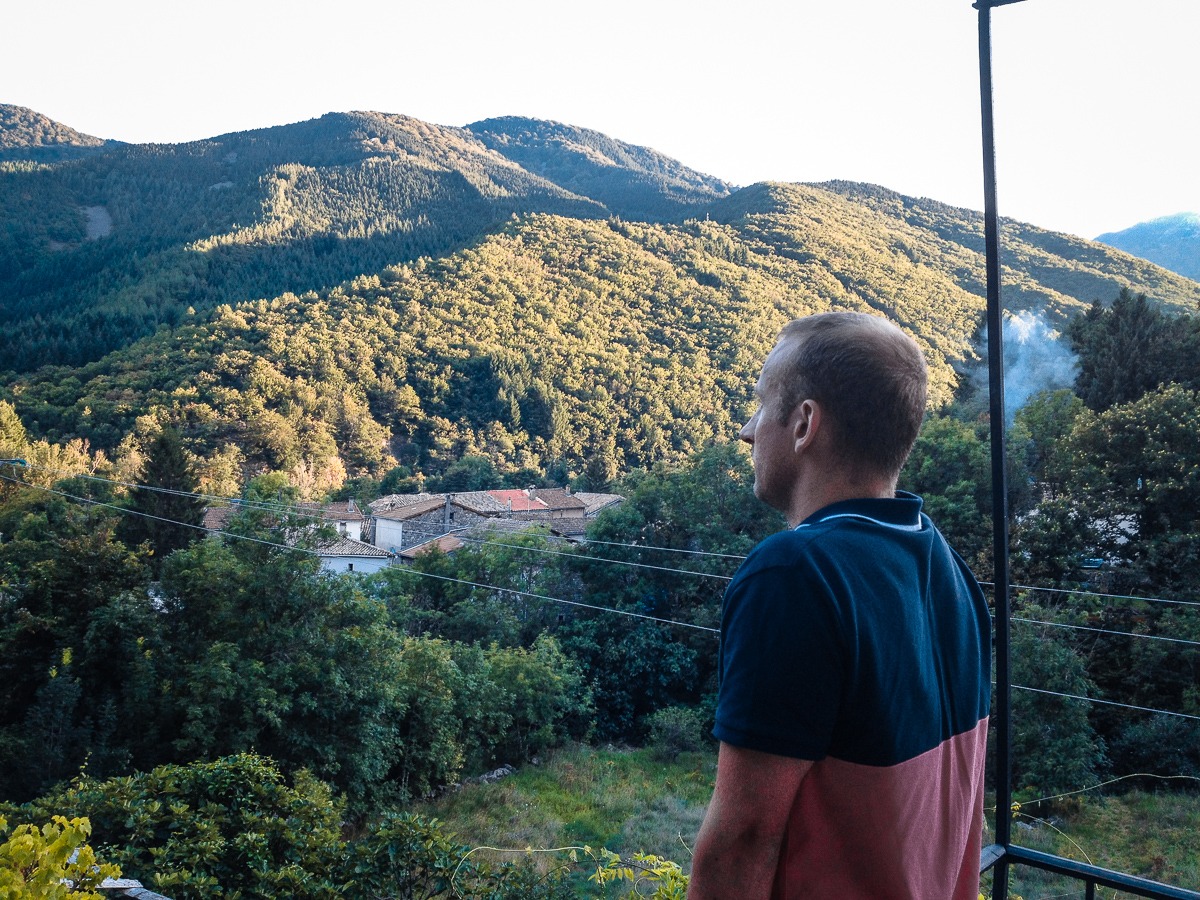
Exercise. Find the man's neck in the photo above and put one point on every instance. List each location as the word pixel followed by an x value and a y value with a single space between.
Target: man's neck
pixel 817 492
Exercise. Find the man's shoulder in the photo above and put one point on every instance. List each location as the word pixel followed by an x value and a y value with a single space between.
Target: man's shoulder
pixel 783 549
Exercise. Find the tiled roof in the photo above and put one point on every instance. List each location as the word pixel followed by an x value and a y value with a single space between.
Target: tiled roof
pixel 344 546
pixel 494 503
pixel 597 502
pixel 557 498
pixel 447 544
pixel 216 518
pixel 570 527
pixel 399 501
pixel 341 510
pixel 408 511
pixel 479 502
pixel 519 501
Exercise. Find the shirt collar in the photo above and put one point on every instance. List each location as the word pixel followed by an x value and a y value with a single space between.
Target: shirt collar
pixel 901 511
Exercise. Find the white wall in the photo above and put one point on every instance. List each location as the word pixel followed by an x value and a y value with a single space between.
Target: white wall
pixel 343 564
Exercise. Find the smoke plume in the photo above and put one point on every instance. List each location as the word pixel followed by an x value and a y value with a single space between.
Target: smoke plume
pixel 1036 358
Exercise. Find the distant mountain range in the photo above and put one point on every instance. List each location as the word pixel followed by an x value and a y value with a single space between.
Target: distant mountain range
pixel 1172 242
pixel 364 288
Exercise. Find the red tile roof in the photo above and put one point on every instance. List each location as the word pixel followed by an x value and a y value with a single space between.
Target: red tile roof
pixel 519 501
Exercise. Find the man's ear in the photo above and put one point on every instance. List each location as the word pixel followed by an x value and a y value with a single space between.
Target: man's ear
pixel 806 422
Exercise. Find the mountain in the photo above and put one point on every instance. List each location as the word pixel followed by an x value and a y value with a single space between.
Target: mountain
pixel 102 250
pixel 1172 242
pixel 337 296
pixel 28 135
pixel 643 184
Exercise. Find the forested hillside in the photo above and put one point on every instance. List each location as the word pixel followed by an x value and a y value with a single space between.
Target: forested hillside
pixel 339 296
pixel 634 182
pixel 99 251
pixel 365 303
pixel 26 134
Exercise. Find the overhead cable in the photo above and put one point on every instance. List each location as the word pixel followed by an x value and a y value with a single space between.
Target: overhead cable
pixel 619 562
pixel 307 511
pixel 1164 712
pixel 1151 637
pixel 406 569
pixel 1052 590
pixel 623 612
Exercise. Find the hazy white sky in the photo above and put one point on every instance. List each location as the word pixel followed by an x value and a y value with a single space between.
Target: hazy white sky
pixel 1096 100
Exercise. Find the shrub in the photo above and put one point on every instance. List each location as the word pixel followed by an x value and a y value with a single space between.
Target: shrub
pixel 676 729
pixel 53 862
pixel 234 828
pixel 231 827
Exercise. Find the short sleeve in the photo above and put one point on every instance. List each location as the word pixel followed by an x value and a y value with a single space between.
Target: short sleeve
pixel 782 664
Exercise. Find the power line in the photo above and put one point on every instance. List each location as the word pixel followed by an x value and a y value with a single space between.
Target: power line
pixel 619 562
pixel 738 556
pixel 1051 590
pixel 1164 712
pixel 307 511
pixel 623 612
pixel 293 548
pixel 146 515
pixel 575 603
pixel 1152 637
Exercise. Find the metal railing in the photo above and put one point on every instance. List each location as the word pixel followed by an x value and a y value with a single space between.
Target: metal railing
pixel 1004 853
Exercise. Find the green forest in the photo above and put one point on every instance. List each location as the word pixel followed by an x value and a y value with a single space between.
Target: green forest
pixel 122 656
pixel 366 304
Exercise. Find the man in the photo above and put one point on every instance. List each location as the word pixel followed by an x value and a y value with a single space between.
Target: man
pixel 854 693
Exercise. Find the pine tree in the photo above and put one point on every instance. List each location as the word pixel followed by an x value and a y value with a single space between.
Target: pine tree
pixel 165 512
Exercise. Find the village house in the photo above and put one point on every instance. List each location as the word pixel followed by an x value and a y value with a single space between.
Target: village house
pixel 346 552
pixel 343 555
pixel 404 521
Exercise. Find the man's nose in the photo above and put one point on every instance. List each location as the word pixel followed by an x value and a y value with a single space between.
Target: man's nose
pixel 747 432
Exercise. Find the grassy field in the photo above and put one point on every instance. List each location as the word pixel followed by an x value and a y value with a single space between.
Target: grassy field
pixel 623 800
pixel 631 800
pixel 1152 835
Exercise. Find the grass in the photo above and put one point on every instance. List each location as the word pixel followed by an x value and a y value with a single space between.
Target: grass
pixel 623 800
pixel 631 800
pixel 1153 835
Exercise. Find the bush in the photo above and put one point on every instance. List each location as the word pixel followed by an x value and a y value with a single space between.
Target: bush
pixel 408 857
pixel 228 827
pixel 676 729
pixel 234 828
pixel 50 862
pixel 1158 745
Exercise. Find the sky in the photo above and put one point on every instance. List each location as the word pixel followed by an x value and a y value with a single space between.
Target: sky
pixel 1095 100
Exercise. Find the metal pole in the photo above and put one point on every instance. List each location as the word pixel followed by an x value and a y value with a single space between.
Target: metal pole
pixel 995 328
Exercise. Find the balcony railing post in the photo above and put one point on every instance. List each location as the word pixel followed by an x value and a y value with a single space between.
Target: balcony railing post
pixel 1003 853
pixel 1002 719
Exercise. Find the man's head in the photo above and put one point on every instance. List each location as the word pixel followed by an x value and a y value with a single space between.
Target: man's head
pixel 865 377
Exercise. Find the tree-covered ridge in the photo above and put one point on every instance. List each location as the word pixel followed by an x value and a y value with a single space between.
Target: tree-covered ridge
pixel 25 134
pixel 97 252
pixel 1059 274
pixel 853 257
pixel 633 182
pixel 548 343
pixel 551 342
pixel 247 215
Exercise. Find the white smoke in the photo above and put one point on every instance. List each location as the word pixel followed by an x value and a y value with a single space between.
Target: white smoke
pixel 1036 358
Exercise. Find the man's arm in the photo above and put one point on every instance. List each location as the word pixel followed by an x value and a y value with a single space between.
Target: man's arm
pixel 737 850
